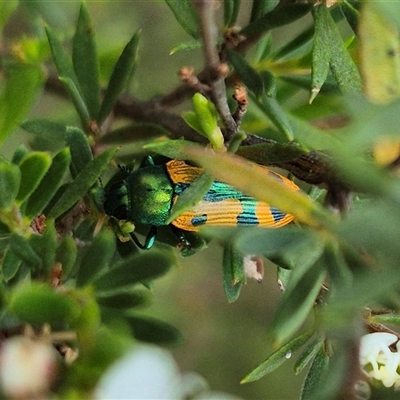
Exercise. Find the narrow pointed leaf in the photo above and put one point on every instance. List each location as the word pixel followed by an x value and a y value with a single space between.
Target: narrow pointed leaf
pixel 315 375
pixel 21 88
pixel 83 182
pixel 247 73
pixel 186 15
pixel 191 196
pixel 277 115
pixel 49 184
pixel 231 11
pixel 320 56
pixel 120 76
pixel 10 176
pixel 276 359
pixel 75 94
pixel 308 355
pixel 61 59
pixel 85 61
pixel 33 168
pixel 233 272
pixel 297 303
pixel 97 257
pixel 132 270
pixel 284 13
pixel 331 52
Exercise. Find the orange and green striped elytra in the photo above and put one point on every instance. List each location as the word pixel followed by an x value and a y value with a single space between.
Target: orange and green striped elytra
pixel 223 205
pixel 147 195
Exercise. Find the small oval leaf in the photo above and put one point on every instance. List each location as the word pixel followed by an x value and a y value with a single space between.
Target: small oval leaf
pixel 38 304
pixel 33 168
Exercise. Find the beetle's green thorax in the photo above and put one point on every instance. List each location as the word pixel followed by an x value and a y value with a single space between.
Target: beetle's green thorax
pixel 149 194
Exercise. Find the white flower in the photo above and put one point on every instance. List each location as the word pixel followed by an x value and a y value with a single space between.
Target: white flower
pixel 27 367
pixel 378 361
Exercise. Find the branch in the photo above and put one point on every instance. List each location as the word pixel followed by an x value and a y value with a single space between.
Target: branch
pixel 216 70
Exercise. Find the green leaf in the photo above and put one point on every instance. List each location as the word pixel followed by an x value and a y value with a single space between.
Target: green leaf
pixel 308 354
pixel 67 76
pixel 10 265
pixel 231 12
pixel 389 318
pixel 282 14
pixel 191 196
pixel 7 7
pixel 66 255
pixel 44 246
pixel 96 257
pixel 320 57
pixel 247 73
pixel 20 91
pixel 315 374
pixel 152 330
pixel 10 176
pixel 120 76
pixel 379 41
pixel 44 128
pixel 303 40
pixel 132 270
pixel 275 112
pixel 61 59
pixel 33 168
pixel 298 301
pixel 75 94
pixel 233 272
pixel 276 359
pixel 37 303
pixel 125 300
pixel 22 248
pixel 81 152
pixel 193 121
pixel 85 61
pixel 20 152
pixel 270 242
pixel 48 185
pixel 82 183
pixel 187 46
pixel 330 52
pixel 185 13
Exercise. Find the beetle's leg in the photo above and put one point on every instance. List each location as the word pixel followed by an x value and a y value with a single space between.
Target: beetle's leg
pixel 147 161
pixel 149 241
pixel 180 235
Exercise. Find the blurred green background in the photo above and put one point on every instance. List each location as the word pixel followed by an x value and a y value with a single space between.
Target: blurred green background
pixel 223 342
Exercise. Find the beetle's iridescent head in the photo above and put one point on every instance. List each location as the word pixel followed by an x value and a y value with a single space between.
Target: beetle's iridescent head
pixel 150 195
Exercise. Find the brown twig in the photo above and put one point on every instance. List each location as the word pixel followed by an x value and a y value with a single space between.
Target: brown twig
pixel 213 64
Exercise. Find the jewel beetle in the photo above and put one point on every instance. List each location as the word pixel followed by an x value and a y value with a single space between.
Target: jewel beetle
pixel 147 194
